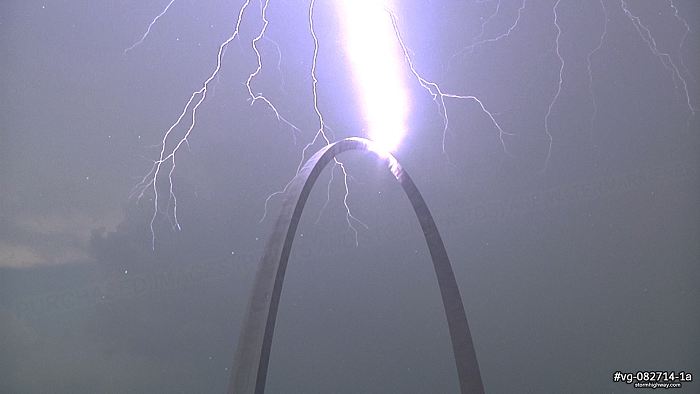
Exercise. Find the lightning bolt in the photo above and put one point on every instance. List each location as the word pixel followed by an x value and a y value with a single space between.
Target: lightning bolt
pixel 196 99
pixel 254 97
pixel 439 96
pixel 148 30
pixel 665 58
pixel 486 20
pixel 320 135
pixel 589 64
pixel 560 84
pixel 349 217
pixel 479 40
pixel 160 176
pixel 681 44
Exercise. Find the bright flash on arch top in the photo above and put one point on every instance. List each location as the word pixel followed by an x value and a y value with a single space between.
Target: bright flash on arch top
pixel 378 70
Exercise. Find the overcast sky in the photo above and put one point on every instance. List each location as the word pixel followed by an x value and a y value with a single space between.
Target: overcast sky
pixel 574 262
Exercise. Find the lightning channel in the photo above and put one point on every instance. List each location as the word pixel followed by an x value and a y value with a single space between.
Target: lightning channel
pixel 196 99
pixel 322 135
pixel 681 45
pixel 255 97
pixel 148 30
pixel 589 64
pixel 665 58
pixel 436 92
pixel 321 132
pixel 180 130
pixel 479 40
pixel 560 84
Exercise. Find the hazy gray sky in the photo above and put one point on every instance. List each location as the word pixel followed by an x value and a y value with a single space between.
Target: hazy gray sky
pixel 569 271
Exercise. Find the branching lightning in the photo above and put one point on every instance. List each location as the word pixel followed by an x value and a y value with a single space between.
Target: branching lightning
pixel 666 59
pixel 149 181
pixel 254 97
pixel 179 132
pixel 321 132
pixel 479 40
pixel 438 95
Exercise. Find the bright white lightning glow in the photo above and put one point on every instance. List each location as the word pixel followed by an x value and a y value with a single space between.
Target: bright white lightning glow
pixel 377 62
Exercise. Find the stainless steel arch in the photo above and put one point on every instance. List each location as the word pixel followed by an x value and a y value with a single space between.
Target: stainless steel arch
pixel 253 353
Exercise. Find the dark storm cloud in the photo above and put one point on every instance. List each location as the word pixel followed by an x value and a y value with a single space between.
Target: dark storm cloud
pixel 29 239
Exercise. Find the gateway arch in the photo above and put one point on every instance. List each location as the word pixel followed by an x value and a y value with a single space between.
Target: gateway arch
pixel 252 356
